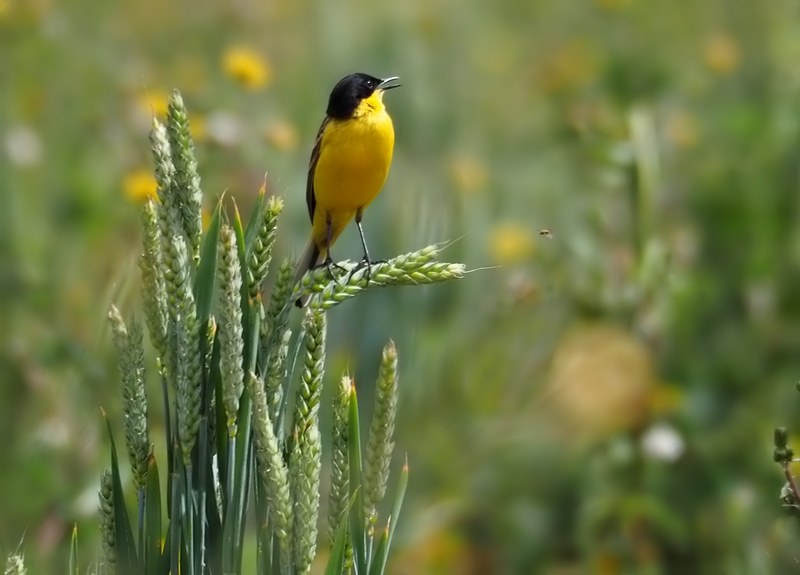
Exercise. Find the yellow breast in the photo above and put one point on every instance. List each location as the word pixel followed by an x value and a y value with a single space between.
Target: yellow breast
pixel 354 160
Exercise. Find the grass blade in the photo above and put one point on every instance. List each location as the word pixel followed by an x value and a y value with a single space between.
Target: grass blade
pixel 176 486
pixel 399 496
pixel 152 519
pixel 232 530
pixel 206 271
pixel 382 552
pixel 213 528
pixel 379 559
pixel 127 560
pixel 204 287
pixel 357 521
pixel 336 561
pixel 73 552
pixel 255 218
pixel 166 557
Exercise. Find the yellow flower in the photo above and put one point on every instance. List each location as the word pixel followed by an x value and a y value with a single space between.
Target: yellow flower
pixel 468 174
pixel 247 67
pixel 5 7
pixel 139 185
pixel 722 54
pixel 569 66
pixel 510 243
pixel 602 381
pixel 153 102
pixel 666 399
pixel 282 135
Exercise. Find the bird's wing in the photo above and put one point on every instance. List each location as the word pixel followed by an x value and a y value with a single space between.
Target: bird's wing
pixel 311 199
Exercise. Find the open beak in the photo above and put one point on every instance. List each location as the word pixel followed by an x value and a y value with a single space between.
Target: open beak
pixel 389 83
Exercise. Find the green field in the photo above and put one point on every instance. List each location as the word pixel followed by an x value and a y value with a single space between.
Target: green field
pixel 598 396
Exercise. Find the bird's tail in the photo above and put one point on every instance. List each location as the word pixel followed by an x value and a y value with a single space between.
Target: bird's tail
pixel 311 257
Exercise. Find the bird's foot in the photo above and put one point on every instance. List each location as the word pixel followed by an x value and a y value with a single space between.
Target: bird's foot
pixel 331 265
pixel 365 263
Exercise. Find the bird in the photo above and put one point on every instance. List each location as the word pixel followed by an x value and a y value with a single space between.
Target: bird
pixel 348 167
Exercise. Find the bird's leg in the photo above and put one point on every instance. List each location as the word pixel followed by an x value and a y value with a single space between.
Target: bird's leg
pixel 365 261
pixel 328 261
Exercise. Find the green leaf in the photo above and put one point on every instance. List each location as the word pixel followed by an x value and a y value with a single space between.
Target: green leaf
pixel 214 527
pixel 251 310
pixel 205 281
pixel 188 523
pixel 166 557
pixel 174 536
pixel 169 439
pixel 240 243
pixel 256 217
pixel 264 547
pixel 379 559
pixel 204 292
pixel 241 460
pixel 382 552
pixel 127 560
pixel 336 561
pixel 399 496
pixel 207 270
pixel 290 377
pixel 221 422
pixel 152 519
pixel 200 507
pixel 73 552
pixel 358 529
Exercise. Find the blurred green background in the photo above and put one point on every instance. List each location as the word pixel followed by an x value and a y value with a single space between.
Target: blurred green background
pixel 600 400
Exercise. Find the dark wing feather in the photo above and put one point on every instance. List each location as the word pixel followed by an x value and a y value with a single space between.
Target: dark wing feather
pixel 311 199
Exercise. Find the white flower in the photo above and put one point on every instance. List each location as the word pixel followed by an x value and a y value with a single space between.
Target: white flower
pixel 663 442
pixel 224 128
pixel 23 146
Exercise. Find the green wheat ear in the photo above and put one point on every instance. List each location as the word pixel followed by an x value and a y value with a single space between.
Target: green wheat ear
pixel 340 463
pixel 229 332
pixel 260 256
pixel 169 211
pixel 185 183
pixel 238 421
pixel 184 357
pixel 414 268
pixel 272 470
pixel 107 529
pixel 154 294
pixel 276 337
pixel 305 460
pixel 130 348
pixel 379 443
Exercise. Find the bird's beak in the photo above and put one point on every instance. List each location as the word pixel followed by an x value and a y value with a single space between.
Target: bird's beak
pixel 389 83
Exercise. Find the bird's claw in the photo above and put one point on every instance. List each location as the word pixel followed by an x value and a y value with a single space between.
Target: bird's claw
pixel 330 265
pixel 365 263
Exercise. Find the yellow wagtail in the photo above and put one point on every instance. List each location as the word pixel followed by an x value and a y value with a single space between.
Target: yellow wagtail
pixel 348 166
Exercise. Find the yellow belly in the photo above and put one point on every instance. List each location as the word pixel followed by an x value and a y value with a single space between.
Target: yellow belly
pixel 352 167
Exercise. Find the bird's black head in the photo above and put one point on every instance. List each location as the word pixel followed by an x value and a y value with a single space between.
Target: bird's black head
pixel 351 90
